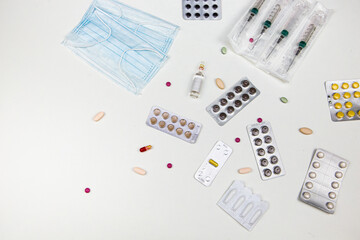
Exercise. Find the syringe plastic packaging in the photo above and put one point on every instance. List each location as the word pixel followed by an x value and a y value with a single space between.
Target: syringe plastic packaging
pixel 273 37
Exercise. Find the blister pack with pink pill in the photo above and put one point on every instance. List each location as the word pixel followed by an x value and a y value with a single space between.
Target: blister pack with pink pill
pixel 243 205
pixel 323 180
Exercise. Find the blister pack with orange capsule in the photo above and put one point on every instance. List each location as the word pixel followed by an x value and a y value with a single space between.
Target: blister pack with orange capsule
pixel 173 124
pixel 323 180
pixel 344 99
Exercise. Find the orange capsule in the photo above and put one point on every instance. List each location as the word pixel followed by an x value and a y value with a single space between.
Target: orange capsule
pixel 144 149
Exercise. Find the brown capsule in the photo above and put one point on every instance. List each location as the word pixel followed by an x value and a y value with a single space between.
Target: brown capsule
pixel 157 112
pixel 187 134
pixel 179 131
pixel 182 122
pixel 162 124
pixel 174 119
pixel 165 115
pixel 306 131
pixel 170 127
pixel 191 125
pixel 153 120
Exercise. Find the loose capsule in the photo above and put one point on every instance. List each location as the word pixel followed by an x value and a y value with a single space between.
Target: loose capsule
pixel 244 170
pixel 144 149
pixel 306 131
pixel 98 116
pixel 139 171
pixel 220 83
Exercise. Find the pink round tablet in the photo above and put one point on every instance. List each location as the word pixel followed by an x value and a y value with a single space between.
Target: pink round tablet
pixel 169 165
pixel 251 40
pixel 168 84
pixel 87 190
pixel 237 140
pixel 259 120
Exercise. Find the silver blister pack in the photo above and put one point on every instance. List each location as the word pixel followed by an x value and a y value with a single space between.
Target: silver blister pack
pixel 323 180
pixel 242 205
pixel 266 151
pixel 344 99
pixel 232 101
pixel 201 9
pixel 173 124
pixel 213 163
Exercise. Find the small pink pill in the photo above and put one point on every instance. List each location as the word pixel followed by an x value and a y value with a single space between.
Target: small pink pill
pixel 87 190
pixel 244 170
pixel 251 40
pixel 139 171
pixel 259 120
pixel 237 139
pixel 98 116
pixel 168 84
pixel 169 165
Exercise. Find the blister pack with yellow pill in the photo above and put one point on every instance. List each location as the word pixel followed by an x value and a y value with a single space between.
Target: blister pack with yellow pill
pixel 344 99
pixel 213 163
pixel 173 124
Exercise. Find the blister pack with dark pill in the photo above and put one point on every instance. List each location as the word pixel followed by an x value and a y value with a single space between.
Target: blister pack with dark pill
pixel 232 101
pixel 266 151
pixel 173 124
pixel 201 9
pixel 323 180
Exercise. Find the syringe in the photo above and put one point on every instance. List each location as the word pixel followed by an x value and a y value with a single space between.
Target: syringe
pixel 267 24
pixel 253 11
pixel 304 40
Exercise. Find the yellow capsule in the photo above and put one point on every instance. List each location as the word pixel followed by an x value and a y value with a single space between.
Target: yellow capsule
pixel 347 95
pixel 337 105
pixel 334 86
pixel 350 114
pixel 340 115
pixel 355 85
pixel 356 94
pixel 348 105
pixel 212 162
pixel 345 86
pixel 336 96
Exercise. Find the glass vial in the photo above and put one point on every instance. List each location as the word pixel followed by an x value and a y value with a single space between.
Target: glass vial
pixel 197 80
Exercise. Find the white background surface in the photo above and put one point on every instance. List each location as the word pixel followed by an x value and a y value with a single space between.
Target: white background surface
pixel 51 150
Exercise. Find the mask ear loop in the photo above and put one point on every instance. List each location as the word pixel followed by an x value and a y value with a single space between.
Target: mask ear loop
pixel 122 70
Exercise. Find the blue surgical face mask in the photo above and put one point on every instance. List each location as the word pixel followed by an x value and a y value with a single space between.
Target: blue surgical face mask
pixel 126 51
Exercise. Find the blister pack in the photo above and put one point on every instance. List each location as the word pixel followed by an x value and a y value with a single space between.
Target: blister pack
pixel 213 163
pixel 266 151
pixel 233 101
pixel 344 99
pixel 173 124
pixel 242 205
pixel 323 180
pixel 201 9
pixel 273 34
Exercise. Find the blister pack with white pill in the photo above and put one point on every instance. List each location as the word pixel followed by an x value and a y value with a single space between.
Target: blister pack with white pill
pixel 232 101
pixel 323 180
pixel 201 9
pixel 242 205
pixel 344 99
pixel 213 163
pixel 266 151
pixel 173 124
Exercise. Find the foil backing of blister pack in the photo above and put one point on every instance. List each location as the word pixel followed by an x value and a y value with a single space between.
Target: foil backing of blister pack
pixel 213 163
pixel 202 9
pixel 265 150
pixel 241 204
pixel 232 101
pixel 343 99
pixel 173 124
pixel 323 180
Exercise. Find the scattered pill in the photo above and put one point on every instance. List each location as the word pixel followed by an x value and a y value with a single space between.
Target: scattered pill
pixel 259 120
pixel 244 170
pixel 139 171
pixel 223 50
pixel 144 149
pixel 306 131
pixel 355 85
pixel 320 155
pixel 237 139
pixel 168 84
pixel 220 83
pixel 169 165
pixel 87 190
pixel 98 116
pixel 212 162
pixel 251 40
pixel 283 99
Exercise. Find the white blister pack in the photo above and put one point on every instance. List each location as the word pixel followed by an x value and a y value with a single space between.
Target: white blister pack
pixel 242 205
pixel 323 180
pixel 265 150
pixel 213 163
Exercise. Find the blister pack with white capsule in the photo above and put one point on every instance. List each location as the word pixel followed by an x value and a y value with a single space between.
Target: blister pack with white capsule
pixel 201 9
pixel 344 99
pixel 173 124
pixel 266 151
pixel 232 101
pixel 213 163
pixel 323 180
pixel 242 205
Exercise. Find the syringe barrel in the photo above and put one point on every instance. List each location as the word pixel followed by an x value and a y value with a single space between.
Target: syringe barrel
pixel 258 4
pixel 275 11
pixel 308 33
